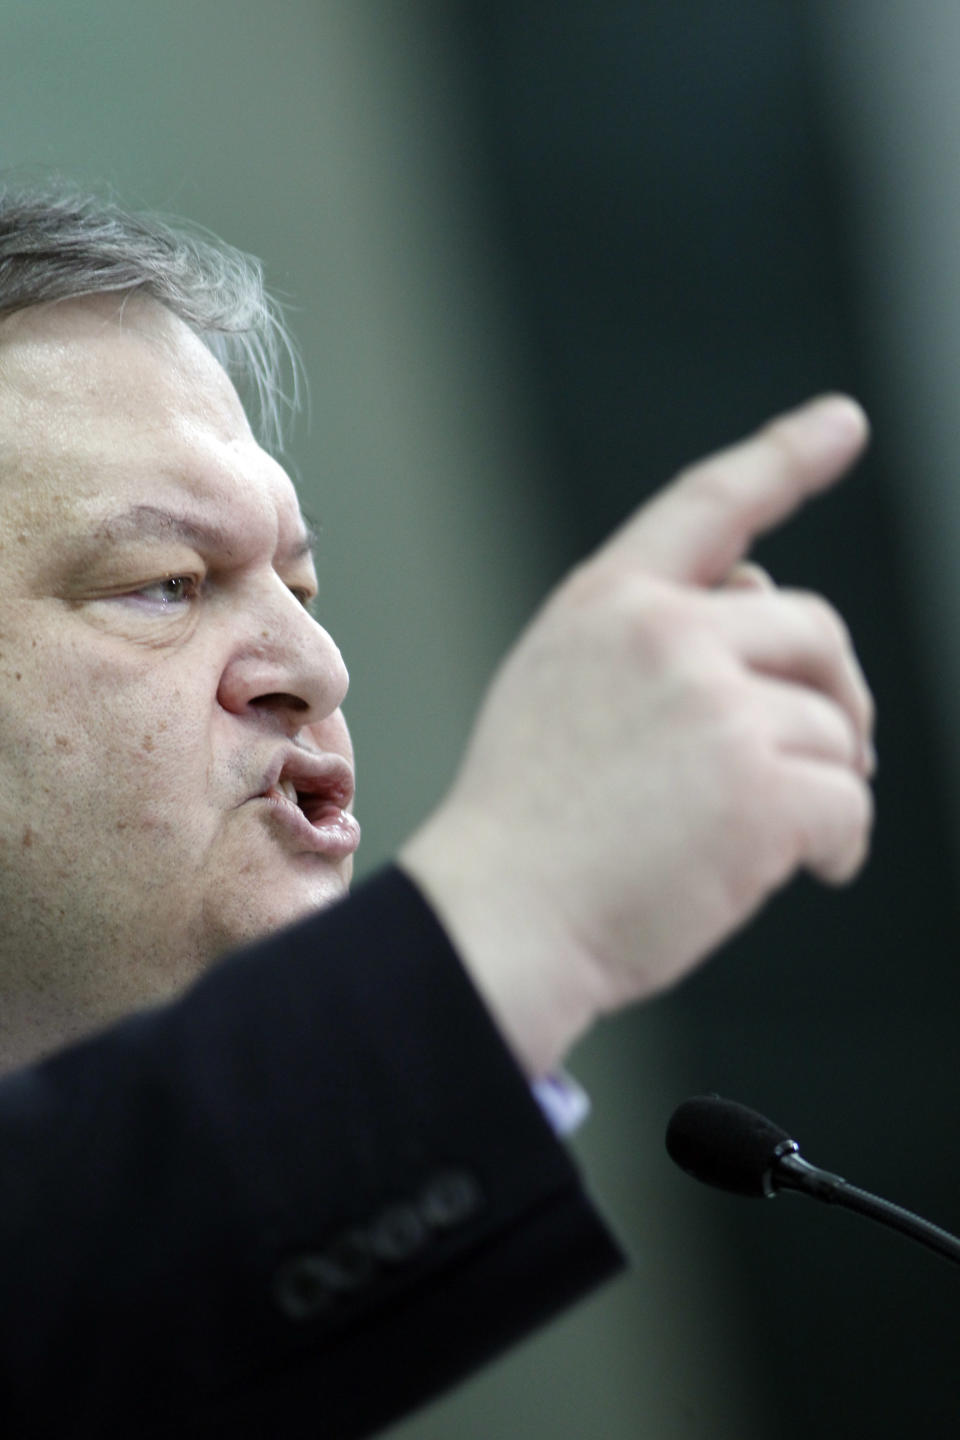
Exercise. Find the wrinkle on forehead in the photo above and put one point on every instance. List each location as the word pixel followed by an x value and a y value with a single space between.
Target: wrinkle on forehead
pixel 141 521
pixel 104 404
pixel 97 356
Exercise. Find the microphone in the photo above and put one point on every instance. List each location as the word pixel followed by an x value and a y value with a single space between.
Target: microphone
pixel 725 1144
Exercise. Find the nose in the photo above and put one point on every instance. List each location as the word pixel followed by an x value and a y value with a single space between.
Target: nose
pixel 282 665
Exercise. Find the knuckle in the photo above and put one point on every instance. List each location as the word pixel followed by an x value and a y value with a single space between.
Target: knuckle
pixel 863 808
pixel 655 623
pixel 658 625
pixel 828 625
pixel 869 707
pixel 830 727
pixel 748 575
pixel 843 858
pixel 761 851
pixel 626 619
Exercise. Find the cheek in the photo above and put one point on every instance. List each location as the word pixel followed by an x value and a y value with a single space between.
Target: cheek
pixel 104 757
pixel 133 750
pixel 126 728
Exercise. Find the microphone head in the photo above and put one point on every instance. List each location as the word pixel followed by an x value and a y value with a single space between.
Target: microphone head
pixel 726 1144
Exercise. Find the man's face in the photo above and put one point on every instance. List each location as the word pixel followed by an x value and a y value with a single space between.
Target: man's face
pixel 174 766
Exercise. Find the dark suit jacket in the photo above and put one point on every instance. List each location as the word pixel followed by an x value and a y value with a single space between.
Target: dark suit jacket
pixel 298 1201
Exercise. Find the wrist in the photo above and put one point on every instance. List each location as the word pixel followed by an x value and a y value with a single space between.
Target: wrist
pixel 509 939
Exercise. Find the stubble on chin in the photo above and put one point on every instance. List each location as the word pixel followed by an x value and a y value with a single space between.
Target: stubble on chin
pixel 254 911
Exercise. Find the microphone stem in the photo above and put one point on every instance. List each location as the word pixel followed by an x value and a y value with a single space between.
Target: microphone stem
pixel 794 1173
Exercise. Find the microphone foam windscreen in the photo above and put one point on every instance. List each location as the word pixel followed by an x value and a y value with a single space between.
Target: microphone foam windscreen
pixel 725 1144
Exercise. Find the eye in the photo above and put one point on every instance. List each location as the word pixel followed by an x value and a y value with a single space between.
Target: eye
pixel 305 596
pixel 175 591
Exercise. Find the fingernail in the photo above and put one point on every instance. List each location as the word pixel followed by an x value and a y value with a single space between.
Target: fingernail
pixel 845 416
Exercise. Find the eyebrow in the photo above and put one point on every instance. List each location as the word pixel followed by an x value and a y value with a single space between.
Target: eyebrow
pixel 152 520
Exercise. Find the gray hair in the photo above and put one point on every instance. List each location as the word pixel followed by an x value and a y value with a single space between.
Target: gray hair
pixel 58 243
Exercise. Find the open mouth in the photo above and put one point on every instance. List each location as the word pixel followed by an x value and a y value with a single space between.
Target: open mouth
pixel 316 808
pixel 308 796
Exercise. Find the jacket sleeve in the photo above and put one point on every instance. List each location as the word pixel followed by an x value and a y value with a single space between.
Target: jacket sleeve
pixel 300 1200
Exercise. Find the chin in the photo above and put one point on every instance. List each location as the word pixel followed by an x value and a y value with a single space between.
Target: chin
pixel 251 917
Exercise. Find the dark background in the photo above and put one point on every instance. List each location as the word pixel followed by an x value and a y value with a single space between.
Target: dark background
pixel 666 185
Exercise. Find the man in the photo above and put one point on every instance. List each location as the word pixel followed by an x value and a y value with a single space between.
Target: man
pixel 310 1189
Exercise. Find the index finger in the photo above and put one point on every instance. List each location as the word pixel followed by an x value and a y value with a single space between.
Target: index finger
pixel 699 527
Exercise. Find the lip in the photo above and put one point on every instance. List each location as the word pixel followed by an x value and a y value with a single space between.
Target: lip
pixel 320 776
pixel 319 822
pixel 334 833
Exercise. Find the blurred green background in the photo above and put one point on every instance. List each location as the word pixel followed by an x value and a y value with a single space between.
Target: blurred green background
pixel 537 256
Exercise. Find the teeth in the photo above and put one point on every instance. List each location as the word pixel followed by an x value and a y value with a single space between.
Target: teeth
pixel 288 789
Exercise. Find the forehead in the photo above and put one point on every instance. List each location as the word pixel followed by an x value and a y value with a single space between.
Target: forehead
pixel 110 402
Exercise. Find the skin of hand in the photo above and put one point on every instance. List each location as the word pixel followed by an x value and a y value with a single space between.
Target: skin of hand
pixel 671 740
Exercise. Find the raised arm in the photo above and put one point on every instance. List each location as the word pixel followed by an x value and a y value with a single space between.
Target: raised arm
pixel 666 745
